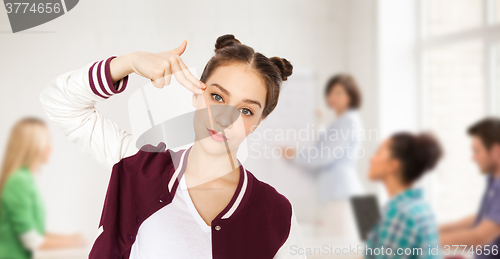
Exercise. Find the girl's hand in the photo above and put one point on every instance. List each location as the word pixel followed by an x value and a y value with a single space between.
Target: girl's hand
pixel 319 114
pixel 287 152
pixel 158 67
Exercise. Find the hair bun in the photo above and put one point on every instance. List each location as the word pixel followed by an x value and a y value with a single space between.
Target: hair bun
pixel 284 66
pixel 225 41
pixel 427 150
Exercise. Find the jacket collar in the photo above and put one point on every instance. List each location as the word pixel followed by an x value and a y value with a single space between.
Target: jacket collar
pixel 237 201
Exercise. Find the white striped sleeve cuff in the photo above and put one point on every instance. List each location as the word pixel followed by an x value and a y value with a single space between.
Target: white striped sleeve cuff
pixel 100 80
pixel 32 240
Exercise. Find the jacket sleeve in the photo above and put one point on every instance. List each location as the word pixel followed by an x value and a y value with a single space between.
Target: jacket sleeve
pixel 69 100
pixel 293 248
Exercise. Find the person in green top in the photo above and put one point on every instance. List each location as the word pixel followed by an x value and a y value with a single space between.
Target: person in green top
pixel 407 228
pixel 22 213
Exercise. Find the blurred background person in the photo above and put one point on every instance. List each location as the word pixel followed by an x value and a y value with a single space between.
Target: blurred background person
pixel 481 230
pixel 22 213
pixel 407 220
pixel 333 161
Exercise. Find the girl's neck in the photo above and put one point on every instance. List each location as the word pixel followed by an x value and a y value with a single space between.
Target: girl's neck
pixel 394 186
pixel 34 167
pixel 340 112
pixel 203 167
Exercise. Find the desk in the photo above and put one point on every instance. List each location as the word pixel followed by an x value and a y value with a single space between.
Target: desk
pixel 70 253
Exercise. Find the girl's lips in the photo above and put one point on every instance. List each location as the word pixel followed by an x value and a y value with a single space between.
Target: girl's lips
pixel 217 136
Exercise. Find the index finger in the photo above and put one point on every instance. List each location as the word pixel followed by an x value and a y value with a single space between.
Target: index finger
pixel 189 75
pixel 180 76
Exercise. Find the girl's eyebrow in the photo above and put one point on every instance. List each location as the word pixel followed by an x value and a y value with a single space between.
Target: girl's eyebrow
pixel 226 92
pixel 252 101
pixel 222 89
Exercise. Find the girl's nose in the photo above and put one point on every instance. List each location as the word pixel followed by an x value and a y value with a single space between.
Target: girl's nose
pixel 225 115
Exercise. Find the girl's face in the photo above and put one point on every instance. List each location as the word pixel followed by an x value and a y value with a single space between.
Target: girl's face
pixel 382 164
pixel 338 99
pixel 235 96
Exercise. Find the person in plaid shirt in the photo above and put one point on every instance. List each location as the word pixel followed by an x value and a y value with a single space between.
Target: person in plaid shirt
pixel 407 228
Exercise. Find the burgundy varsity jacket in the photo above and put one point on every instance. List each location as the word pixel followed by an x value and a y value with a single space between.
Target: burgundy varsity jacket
pixel 257 223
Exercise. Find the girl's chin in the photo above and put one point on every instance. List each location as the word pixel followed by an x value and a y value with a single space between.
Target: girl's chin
pixel 212 146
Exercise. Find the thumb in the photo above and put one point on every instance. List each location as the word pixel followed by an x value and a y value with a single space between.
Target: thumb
pixel 179 50
pixel 159 82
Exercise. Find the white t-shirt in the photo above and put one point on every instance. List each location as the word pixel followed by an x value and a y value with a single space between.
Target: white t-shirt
pixel 175 231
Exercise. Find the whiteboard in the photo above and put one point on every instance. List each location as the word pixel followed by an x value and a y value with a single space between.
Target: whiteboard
pixel 295 111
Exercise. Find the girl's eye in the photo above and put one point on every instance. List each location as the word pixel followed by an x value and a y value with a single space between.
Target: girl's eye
pixel 217 98
pixel 246 111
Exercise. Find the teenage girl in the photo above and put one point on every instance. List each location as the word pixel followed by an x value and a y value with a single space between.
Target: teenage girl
pixel 195 203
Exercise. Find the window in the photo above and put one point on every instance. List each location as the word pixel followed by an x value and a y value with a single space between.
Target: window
pixel 452 16
pixel 460 57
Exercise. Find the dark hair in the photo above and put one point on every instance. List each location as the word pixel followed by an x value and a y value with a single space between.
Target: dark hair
pixel 417 154
pixel 488 130
pixel 350 86
pixel 273 70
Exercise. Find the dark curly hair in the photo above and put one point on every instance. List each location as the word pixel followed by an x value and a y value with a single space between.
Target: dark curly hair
pixel 417 154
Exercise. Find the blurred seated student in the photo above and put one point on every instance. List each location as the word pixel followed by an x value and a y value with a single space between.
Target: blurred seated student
pixel 481 230
pixel 407 220
pixel 22 215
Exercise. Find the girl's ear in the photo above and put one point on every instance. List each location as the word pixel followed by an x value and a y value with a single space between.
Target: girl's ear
pixel 394 166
